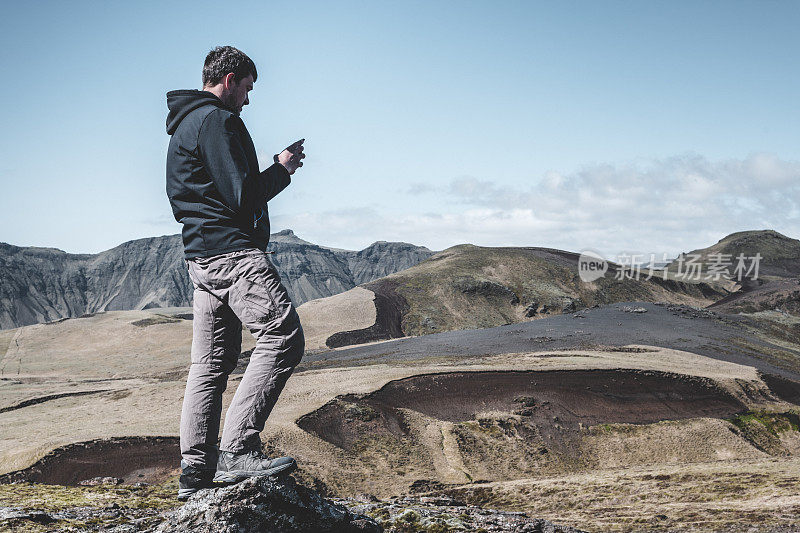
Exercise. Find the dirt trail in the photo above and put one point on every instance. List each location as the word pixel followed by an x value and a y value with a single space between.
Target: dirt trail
pixel 452 454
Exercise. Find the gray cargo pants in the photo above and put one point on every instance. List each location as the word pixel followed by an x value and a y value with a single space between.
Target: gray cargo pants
pixel 231 289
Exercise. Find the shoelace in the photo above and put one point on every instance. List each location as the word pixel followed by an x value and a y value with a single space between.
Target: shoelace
pixel 259 455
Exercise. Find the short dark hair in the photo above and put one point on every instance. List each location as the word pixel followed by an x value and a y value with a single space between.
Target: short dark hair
pixel 224 59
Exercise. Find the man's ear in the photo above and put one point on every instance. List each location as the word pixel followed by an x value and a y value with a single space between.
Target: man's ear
pixel 228 81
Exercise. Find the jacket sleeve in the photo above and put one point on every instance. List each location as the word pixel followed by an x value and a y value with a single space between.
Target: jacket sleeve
pixel 220 149
pixel 276 178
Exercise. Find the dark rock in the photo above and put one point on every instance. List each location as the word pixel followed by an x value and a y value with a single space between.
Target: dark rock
pixel 428 323
pixel 486 289
pixel 425 485
pixel 10 515
pixel 528 403
pixel 441 513
pixel 530 310
pixel 265 505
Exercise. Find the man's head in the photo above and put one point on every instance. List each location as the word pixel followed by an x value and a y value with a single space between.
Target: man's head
pixel 229 74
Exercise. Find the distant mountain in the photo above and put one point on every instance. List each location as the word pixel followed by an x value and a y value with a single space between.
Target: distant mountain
pixel 45 284
pixel 383 258
pixel 310 271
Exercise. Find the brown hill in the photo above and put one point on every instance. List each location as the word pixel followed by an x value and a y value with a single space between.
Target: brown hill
pixel 779 257
pixel 775 285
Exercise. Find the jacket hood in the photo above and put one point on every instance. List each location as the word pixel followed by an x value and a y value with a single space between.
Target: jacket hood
pixel 181 103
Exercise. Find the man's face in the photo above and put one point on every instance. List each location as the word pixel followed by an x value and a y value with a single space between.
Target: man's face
pixel 237 97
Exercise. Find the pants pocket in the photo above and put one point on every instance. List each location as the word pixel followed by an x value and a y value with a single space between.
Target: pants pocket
pixel 259 303
pixel 257 292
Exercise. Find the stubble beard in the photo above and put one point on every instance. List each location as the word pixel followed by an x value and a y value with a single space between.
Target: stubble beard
pixel 230 101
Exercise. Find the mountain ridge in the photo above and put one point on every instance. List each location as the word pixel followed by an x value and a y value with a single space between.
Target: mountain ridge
pixel 46 284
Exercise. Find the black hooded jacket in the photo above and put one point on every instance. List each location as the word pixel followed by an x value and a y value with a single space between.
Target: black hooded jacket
pixel 213 182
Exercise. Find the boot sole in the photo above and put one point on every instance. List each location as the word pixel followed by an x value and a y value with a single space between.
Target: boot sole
pixel 183 494
pixel 235 476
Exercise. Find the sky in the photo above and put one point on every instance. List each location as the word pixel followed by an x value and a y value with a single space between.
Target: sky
pixel 620 127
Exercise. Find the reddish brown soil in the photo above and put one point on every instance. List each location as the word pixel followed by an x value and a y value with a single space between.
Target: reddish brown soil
pixel 132 459
pixel 554 402
pixel 42 399
pixel 786 390
pixel 389 309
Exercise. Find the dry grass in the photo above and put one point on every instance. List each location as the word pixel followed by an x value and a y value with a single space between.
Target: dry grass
pixel 708 496
pixel 104 346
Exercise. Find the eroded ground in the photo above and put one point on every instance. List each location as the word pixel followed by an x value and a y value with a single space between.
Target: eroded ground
pixel 689 431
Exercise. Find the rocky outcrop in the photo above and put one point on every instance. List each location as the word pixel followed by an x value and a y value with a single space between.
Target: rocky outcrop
pixel 439 512
pixel 487 289
pixel 383 258
pixel 269 505
pixel 283 506
pixel 45 284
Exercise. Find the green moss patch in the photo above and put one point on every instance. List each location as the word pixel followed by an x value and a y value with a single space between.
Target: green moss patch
pixel 775 423
pixel 764 429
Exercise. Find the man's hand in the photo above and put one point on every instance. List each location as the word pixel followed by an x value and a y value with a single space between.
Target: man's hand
pixel 292 156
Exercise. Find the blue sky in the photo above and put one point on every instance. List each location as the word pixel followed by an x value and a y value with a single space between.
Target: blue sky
pixel 616 126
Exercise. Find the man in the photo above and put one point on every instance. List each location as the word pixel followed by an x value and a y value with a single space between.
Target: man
pixel 219 195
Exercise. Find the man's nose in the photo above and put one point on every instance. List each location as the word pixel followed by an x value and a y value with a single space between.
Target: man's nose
pixel 246 100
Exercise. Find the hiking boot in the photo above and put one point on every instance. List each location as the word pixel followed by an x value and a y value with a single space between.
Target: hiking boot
pixel 193 479
pixel 234 467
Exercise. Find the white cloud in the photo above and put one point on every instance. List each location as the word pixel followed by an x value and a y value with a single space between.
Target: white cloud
pixel 659 206
pixel 418 188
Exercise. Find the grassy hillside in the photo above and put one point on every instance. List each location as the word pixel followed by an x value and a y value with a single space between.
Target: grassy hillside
pixel 780 255
pixel 469 286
